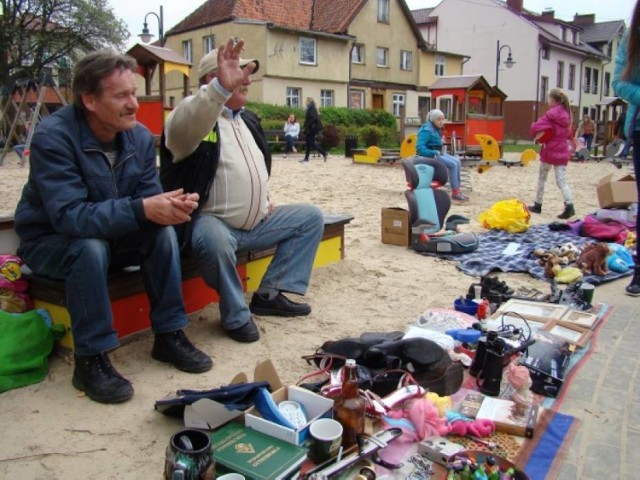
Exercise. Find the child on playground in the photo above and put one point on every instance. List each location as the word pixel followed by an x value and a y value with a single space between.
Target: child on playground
pixel 553 131
pixel 429 144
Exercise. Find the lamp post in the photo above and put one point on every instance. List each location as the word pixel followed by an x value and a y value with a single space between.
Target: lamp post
pixel 146 36
pixel 508 62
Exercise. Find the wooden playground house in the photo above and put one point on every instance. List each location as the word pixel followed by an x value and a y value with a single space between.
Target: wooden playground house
pixel 607 114
pixel 151 60
pixel 471 106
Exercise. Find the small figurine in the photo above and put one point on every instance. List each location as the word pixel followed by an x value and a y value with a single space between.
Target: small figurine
pixel 520 378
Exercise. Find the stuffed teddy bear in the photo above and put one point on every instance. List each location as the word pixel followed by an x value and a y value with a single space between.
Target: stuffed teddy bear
pixel 593 259
pixel 570 251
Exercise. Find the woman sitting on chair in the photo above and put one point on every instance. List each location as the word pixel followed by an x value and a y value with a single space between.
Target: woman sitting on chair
pixel 429 144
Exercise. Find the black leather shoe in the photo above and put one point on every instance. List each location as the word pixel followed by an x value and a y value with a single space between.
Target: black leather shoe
pixel 176 349
pixel 95 376
pixel 246 334
pixel 280 306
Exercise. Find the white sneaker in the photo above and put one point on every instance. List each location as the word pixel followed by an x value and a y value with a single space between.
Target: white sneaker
pixel 294 150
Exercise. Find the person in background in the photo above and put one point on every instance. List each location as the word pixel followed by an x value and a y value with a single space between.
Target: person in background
pixel 214 147
pixel 429 144
pixel 291 133
pixel 586 130
pixel 626 85
pixel 93 202
pixel 553 129
pixel 312 126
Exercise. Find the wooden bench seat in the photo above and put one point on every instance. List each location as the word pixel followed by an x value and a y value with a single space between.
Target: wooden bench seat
pixel 275 137
pixel 128 297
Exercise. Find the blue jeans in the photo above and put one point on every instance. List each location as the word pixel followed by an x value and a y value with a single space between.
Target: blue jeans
pixel 588 138
pixel 83 264
pixel 289 142
pixel 295 231
pixel 453 168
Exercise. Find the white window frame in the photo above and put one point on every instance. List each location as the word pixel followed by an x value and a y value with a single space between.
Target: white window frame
pixel 385 51
pixel 327 98
pixel 398 99
pixel 208 43
pixel 304 50
pixel 571 82
pixel 406 60
pixel 359 59
pixel 383 11
pixel 187 50
pixel 445 105
pixel 293 97
pixel 439 65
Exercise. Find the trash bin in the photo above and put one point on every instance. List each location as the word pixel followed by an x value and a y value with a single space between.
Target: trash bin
pixel 350 144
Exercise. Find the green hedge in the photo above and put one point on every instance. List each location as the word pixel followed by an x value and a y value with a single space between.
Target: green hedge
pixel 371 127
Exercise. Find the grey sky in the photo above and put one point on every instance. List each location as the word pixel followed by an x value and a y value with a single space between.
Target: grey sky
pixel 133 12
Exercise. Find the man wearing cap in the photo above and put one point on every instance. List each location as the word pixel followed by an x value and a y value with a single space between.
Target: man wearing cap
pixel 213 147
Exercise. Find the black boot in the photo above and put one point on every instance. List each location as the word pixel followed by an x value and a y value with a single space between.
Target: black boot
pixel 633 288
pixel 535 208
pixel 94 375
pixel 176 349
pixel 568 211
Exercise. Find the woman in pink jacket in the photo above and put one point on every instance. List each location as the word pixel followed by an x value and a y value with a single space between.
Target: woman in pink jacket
pixel 553 131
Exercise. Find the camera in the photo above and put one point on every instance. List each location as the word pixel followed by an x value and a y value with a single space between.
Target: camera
pixel 488 363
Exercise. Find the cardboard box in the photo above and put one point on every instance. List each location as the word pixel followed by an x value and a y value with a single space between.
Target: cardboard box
pixel 208 414
pixel 619 214
pixel 616 193
pixel 315 406
pixel 396 228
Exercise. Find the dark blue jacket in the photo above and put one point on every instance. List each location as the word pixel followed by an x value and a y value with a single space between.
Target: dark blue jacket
pixel 73 190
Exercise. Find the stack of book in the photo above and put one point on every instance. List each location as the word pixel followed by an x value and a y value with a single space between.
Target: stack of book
pixel 257 456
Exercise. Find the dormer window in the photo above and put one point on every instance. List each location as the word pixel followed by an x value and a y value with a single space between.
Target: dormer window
pixel 564 34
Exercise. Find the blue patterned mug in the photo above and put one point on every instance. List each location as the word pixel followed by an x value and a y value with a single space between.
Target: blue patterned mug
pixel 189 457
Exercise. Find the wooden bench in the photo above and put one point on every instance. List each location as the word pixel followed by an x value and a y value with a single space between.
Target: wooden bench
pixel 129 301
pixel 275 138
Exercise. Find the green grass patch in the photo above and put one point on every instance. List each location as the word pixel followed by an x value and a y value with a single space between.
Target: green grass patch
pixel 517 148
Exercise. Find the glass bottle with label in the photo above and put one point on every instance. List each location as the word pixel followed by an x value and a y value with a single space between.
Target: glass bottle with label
pixel 349 407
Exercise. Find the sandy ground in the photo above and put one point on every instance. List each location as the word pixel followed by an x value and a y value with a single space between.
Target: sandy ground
pixel 50 431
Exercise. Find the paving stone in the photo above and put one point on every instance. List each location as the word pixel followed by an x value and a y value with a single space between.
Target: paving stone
pixel 634 417
pixel 582 389
pixel 602 461
pixel 633 452
pixel 568 471
pixel 619 375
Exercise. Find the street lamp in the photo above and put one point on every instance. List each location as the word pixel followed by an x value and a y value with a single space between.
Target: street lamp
pixel 508 62
pixel 146 36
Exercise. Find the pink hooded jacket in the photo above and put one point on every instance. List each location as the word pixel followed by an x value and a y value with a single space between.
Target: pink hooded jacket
pixel 558 123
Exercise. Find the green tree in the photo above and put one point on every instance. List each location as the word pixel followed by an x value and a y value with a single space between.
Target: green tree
pixel 39 34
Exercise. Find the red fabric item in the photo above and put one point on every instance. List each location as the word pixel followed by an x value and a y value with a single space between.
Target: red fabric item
pixel 558 123
pixel 604 230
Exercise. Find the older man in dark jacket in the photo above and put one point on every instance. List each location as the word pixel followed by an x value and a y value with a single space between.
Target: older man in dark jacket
pixel 93 202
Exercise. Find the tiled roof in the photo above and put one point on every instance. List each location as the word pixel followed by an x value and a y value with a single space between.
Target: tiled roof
pixel 602 31
pixel 331 16
pixel 421 15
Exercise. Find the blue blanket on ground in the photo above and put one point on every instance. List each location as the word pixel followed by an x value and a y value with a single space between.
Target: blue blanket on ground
pixel 513 252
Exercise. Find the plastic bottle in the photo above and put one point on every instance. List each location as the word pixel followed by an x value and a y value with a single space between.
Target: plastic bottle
pixel 349 407
pixel 444 146
pixel 454 145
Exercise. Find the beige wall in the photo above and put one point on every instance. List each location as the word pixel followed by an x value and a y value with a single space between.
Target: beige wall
pixel 452 66
pixel 397 35
pixel 283 52
pixel 253 35
pixel 275 90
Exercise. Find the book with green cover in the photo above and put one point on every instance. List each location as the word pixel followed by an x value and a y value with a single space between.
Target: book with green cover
pixel 255 455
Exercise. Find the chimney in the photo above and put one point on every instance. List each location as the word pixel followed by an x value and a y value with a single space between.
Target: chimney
pixel 548 14
pixel 584 20
pixel 515 5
